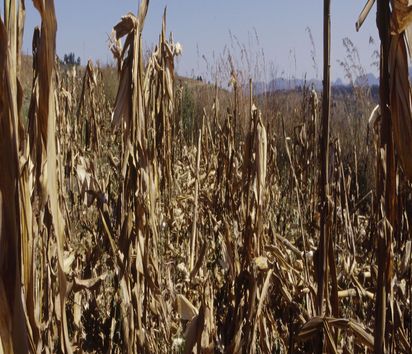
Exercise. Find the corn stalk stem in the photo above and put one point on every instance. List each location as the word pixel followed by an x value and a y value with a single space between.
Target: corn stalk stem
pixel 386 180
pixel 324 226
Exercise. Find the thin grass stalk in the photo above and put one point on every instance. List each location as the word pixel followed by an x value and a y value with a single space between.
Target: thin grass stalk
pixel 216 110
pixel 315 144
pixel 196 206
pixel 299 208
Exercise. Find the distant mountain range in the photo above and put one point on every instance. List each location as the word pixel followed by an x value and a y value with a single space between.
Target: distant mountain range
pixel 286 84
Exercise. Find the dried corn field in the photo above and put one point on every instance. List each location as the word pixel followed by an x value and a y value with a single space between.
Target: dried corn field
pixel 259 231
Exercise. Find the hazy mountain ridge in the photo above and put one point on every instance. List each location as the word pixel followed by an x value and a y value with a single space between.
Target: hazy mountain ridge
pixel 286 84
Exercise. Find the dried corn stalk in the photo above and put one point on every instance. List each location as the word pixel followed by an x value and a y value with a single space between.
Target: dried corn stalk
pixel 45 142
pixel 13 330
pixel 87 110
pixel 400 90
pixel 144 105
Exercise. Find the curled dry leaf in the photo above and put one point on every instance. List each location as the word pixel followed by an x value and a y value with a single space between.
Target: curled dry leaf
pixel 185 308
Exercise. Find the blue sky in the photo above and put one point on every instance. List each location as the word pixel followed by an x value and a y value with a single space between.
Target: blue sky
pixel 204 27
